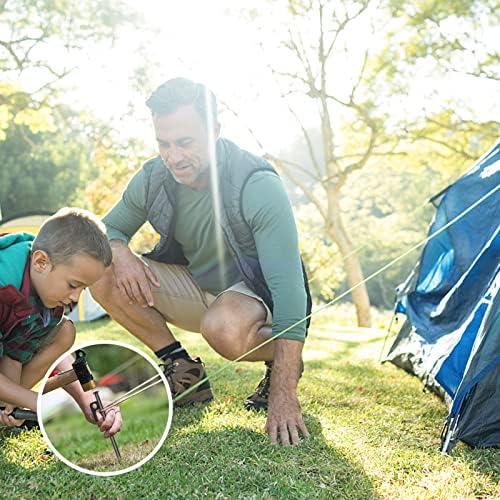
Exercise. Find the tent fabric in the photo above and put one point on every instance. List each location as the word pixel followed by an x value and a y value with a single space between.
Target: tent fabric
pixel 28 222
pixel 451 337
pixel 87 309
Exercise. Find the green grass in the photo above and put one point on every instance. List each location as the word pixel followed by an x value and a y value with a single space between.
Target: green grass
pixel 145 418
pixel 374 434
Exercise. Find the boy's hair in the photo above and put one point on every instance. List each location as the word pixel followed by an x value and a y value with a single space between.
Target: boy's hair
pixel 72 231
pixel 177 92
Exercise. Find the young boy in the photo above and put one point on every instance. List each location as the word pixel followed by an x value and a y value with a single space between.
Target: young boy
pixel 39 277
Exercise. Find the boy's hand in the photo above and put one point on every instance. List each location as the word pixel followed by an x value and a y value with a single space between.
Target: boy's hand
pixel 7 420
pixel 111 424
pixel 113 421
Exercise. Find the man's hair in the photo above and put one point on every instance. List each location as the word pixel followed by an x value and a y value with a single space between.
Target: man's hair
pixel 177 92
pixel 73 231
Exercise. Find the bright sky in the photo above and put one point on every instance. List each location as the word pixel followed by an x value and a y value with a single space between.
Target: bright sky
pixel 211 43
pixel 193 39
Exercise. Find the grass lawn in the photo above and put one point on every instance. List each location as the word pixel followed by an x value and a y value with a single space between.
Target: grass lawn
pixel 82 444
pixel 375 434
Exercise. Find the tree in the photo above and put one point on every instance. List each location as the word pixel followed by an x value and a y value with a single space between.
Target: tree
pixel 352 125
pixel 37 36
pixel 457 36
pixel 45 159
pixel 45 146
pixel 452 41
pixel 351 64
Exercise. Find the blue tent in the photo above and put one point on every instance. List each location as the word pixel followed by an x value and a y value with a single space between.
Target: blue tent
pixel 451 337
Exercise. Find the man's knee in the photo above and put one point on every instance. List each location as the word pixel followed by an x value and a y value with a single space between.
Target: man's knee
pixel 223 335
pixel 104 290
pixel 65 337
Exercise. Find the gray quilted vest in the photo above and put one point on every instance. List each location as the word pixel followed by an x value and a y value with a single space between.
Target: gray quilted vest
pixel 235 167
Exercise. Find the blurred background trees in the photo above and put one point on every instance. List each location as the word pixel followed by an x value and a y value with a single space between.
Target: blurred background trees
pixel 47 145
pixel 384 103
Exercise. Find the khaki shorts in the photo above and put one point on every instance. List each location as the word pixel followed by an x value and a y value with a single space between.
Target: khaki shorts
pixel 182 302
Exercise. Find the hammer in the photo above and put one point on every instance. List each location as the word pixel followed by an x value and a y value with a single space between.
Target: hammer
pixel 80 372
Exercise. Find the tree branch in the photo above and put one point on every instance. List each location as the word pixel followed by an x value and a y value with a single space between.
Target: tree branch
pixel 10 50
pixel 343 24
pixel 308 192
pixel 307 138
pixel 301 169
pixel 295 115
pixel 360 76
pixel 303 59
pixel 445 144
pixel 249 129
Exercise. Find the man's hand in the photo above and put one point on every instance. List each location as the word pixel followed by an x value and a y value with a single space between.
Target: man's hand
pixel 284 418
pixel 133 276
pixel 7 420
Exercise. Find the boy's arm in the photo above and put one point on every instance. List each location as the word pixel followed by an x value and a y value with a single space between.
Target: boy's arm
pixel 11 390
pixel 14 394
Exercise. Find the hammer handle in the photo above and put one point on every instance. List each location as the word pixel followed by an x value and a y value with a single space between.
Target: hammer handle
pixel 22 414
pixel 57 381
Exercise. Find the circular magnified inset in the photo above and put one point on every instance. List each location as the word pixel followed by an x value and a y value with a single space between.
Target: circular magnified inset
pixel 105 409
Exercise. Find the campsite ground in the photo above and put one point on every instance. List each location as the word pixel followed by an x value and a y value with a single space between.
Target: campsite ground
pixel 375 434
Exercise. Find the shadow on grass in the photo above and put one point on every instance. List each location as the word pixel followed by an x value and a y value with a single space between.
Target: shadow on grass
pixel 227 462
pixel 236 461
pixel 483 460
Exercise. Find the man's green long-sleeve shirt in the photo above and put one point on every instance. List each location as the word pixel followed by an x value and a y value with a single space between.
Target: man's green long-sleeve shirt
pixel 266 209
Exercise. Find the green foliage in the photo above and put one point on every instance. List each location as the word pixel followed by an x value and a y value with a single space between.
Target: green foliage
pixel 388 213
pixel 18 108
pixel 44 160
pixel 445 141
pixel 456 34
pixel 45 146
pixel 116 164
pixel 47 152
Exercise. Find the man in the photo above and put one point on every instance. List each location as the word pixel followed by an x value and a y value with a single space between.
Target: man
pixel 227 264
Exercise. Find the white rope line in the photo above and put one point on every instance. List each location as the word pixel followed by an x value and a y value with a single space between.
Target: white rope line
pixel 336 299
pixel 364 245
pixel 136 390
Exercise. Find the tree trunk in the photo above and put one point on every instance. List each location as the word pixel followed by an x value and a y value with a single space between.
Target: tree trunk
pixel 336 231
